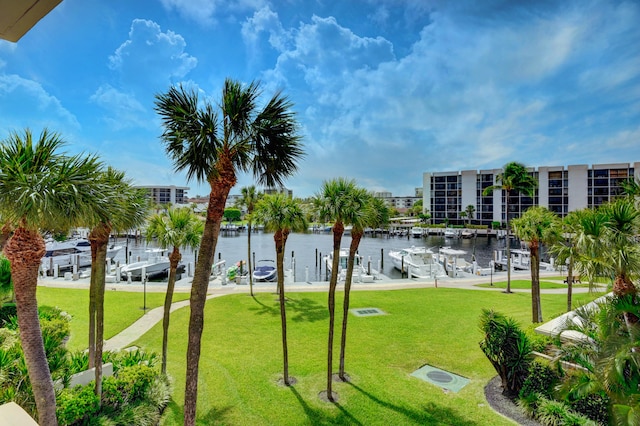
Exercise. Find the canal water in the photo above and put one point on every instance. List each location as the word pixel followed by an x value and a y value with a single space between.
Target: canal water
pixel 309 248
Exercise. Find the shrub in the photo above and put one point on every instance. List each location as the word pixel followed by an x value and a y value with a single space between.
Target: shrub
pixel 7 312
pixel 594 406
pixel 76 405
pixel 507 348
pixel 130 384
pixel 555 413
pixel 541 379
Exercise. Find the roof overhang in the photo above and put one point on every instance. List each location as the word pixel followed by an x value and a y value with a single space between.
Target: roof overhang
pixel 19 16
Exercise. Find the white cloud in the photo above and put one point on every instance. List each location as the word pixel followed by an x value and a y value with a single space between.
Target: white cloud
pixel 25 103
pixel 124 109
pixel 150 57
pixel 203 11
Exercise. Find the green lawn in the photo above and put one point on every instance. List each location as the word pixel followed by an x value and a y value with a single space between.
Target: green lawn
pixel 526 285
pixel 241 358
pixel 121 310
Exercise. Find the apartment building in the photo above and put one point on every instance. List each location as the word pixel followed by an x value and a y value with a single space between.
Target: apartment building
pixel 560 189
pixel 169 194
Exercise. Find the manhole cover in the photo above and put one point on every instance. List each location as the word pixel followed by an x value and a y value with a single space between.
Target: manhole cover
pixel 367 312
pixel 440 376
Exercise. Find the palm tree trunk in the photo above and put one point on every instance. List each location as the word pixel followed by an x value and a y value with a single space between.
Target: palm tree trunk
pixel 174 259
pixel 220 188
pixel 249 263
pixel 280 239
pixel 25 250
pixel 536 309
pixel 338 230
pixel 92 305
pixel 99 239
pixel 508 242
pixel 569 284
pixel 353 248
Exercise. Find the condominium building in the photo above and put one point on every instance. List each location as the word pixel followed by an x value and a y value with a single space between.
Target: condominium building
pixel 169 194
pixel 560 189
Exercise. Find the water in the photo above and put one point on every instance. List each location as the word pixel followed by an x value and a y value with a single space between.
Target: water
pixel 308 250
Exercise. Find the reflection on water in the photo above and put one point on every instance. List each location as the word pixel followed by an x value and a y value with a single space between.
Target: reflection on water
pixel 308 250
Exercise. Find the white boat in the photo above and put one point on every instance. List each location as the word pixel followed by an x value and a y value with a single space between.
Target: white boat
pixel 360 272
pixel 417 232
pixel 265 270
pixel 454 263
pixel 72 252
pixel 451 233
pixel 154 267
pixel 417 261
pixel 520 260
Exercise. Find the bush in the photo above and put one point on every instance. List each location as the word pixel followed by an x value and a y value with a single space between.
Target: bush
pixel 507 348
pixel 76 405
pixel 594 406
pixel 555 413
pixel 7 312
pixel 130 384
pixel 541 379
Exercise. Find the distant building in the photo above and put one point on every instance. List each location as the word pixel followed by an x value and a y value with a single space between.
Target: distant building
pixel 402 204
pixel 281 190
pixel 169 194
pixel 560 189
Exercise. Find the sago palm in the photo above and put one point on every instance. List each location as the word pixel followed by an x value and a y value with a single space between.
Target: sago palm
pixel 246 138
pixel 332 203
pixel 41 190
pixel 282 215
pixel 177 228
pixel 514 179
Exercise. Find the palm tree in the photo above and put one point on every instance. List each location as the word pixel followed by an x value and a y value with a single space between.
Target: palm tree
pixel 246 139
pixel 249 198
pixel 566 250
pixel 332 203
pixel 126 207
pixel 177 228
pixel 537 226
pixel 282 215
pixel 41 190
pixel 362 211
pixel 514 178
pixel 590 244
pixel 622 253
pixel 470 210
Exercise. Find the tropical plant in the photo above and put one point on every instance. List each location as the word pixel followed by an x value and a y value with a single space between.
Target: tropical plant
pixel 590 244
pixel 513 179
pixel 247 138
pixel 470 210
pixel 332 203
pixel 282 215
pixel 507 348
pixel 362 211
pixel 177 228
pixel 607 353
pixel 126 207
pixel 232 215
pixel 537 226
pixel 6 283
pixel 41 190
pixel 248 199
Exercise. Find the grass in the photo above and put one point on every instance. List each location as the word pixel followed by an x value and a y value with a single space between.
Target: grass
pixel 526 285
pixel 241 359
pixel 121 310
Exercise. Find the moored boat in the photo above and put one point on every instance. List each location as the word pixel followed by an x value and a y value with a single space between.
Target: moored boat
pixel 418 262
pixel 265 270
pixel 66 254
pixel 360 273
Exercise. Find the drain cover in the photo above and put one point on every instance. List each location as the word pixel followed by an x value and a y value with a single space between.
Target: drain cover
pixel 367 312
pixel 441 378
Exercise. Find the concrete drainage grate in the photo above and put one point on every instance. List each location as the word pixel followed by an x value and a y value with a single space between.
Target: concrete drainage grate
pixel 367 312
pixel 441 378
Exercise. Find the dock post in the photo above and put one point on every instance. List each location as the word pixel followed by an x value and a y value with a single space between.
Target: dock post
pixel 381 259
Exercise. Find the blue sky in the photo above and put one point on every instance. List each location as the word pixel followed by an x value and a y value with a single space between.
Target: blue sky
pixel 384 90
